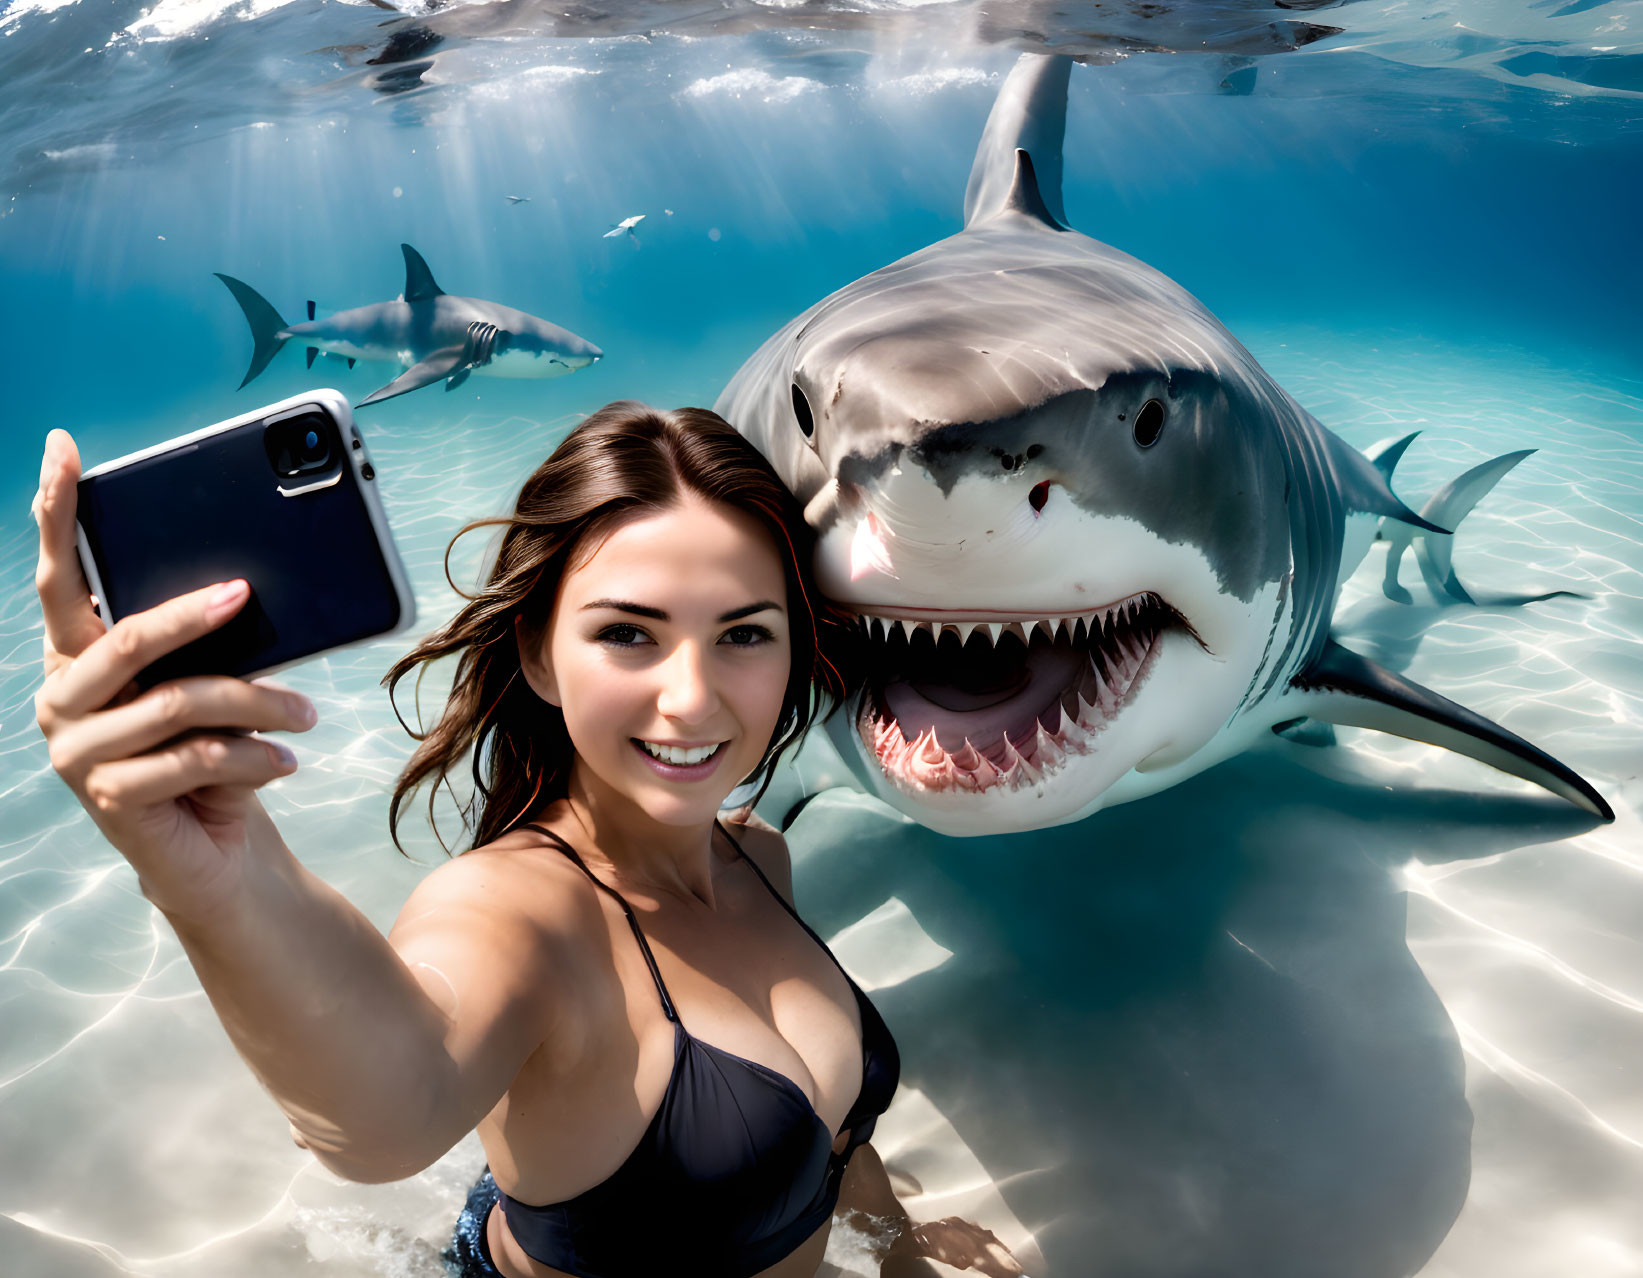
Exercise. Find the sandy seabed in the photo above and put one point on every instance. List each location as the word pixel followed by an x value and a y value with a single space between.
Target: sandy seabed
pixel 1085 1086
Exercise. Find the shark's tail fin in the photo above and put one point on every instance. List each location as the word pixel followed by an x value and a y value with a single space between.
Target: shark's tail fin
pixel 1384 456
pixel 265 321
pixel 1433 550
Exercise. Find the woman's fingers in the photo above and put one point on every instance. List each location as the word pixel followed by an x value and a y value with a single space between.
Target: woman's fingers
pixel 65 600
pixel 964 1244
pixel 113 661
pixel 171 709
pixel 127 785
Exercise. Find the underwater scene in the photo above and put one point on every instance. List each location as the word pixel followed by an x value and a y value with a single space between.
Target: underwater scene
pixel 1307 939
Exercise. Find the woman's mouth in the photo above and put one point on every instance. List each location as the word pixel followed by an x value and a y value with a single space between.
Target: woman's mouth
pixel 680 763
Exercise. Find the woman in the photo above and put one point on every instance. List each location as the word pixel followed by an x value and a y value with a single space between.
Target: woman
pixel 668 1071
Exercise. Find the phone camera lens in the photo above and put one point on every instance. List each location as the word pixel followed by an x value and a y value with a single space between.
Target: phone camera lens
pixel 299 445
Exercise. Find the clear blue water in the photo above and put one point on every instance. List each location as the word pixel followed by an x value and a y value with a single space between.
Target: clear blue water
pixel 1367 1009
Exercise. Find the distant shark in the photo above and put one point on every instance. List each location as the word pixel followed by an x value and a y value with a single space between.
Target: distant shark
pixel 436 336
pixel 1091 546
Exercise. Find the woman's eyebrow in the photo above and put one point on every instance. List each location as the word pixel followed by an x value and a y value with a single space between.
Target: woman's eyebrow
pixel 622 605
pixel 656 614
pixel 748 611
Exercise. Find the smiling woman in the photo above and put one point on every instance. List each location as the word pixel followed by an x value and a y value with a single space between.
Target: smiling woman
pixel 625 465
pixel 610 984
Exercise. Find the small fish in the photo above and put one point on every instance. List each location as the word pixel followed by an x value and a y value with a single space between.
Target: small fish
pixel 626 224
pixel 517 199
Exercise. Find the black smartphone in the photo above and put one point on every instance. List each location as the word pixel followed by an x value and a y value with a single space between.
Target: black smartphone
pixel 285 497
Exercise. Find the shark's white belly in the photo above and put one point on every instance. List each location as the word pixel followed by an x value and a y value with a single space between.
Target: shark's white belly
pixel 516 364
pixel 526 364
pixel 356 350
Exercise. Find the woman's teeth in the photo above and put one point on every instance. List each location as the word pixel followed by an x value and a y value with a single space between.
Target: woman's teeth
pixel 680 756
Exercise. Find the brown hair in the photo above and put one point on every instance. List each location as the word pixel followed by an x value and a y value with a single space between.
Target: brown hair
pixel 624 461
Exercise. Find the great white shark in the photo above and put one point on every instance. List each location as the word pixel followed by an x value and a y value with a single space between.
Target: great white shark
pixel 435 336
pixel 1091 547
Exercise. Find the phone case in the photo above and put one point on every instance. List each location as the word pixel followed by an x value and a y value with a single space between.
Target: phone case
pixel 209 506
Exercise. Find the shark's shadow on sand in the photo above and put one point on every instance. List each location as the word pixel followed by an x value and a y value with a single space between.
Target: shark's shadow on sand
pixel 1186 1036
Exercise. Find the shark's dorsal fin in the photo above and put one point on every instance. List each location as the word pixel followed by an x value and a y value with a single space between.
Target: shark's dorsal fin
pixel 1342 687
pixel 419 280
pixel 1025 197
pixel 1030 115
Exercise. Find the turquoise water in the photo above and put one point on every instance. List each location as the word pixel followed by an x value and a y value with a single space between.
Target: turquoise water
pixel 1363 1009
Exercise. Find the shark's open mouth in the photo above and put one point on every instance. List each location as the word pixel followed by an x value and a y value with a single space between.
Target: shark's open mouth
pixel 972 705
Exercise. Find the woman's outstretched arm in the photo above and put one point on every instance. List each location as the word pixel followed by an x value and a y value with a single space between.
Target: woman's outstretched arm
pixel 382 1057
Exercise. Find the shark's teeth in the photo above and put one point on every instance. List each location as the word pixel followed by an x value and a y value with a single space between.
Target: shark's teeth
pixel 1106 626
pixel 680 756
pixel 1122 641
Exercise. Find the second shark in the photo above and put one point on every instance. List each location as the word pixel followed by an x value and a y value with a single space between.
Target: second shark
pixel 437 336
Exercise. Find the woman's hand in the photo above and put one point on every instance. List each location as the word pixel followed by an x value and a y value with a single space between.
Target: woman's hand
pixel 959 1243
pixel 163 773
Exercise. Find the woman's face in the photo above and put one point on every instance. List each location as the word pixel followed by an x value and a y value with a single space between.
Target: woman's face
pixel 668 651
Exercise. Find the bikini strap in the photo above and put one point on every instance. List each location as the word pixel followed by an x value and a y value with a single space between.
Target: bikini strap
pixel 638 933
pixel 785 904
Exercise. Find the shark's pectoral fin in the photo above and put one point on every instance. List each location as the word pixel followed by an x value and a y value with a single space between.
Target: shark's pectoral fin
pixel 312 352
pixel 1343 687
pixel 350 359
pixel 457 378
pixel 1308 732
pixel 441 364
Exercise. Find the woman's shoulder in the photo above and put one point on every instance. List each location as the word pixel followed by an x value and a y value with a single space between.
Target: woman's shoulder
pixel 764 845
pixel 515 889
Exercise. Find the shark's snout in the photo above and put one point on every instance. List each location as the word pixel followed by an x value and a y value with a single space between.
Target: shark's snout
pixel 903 524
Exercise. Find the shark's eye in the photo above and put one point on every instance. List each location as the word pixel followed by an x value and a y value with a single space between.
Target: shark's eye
pixel 801 410
pixel 1149 423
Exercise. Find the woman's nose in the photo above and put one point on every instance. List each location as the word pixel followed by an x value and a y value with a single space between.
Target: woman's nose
pixel 688 692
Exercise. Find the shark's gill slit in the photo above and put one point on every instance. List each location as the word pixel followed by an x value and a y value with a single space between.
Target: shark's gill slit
pixel 968 706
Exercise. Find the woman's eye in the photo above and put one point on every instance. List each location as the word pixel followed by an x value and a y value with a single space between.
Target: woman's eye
pixel 622 636
pixel 747 636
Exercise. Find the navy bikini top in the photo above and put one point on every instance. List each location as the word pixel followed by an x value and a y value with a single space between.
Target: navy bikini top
pixel 735 1171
